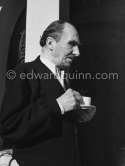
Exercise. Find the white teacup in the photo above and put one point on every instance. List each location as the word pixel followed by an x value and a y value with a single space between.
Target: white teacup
pixel 86 101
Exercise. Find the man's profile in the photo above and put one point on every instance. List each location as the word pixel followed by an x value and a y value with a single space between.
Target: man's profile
pixel 38 115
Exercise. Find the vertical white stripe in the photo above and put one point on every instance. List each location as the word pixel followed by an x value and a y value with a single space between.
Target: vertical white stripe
pixel 40 13
pixel 0 8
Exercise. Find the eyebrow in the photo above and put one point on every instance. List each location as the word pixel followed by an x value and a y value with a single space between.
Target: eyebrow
pixel 74 43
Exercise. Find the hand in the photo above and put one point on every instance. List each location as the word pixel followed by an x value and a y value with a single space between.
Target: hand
pixel 86 115
pixel 70 100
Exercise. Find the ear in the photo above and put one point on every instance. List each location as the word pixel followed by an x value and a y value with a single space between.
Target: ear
pixel 50 42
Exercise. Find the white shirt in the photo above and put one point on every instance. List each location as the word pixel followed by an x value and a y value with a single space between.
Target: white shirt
pixel 53 69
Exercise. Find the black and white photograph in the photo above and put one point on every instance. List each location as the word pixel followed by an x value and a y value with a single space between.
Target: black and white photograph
pixel 62 83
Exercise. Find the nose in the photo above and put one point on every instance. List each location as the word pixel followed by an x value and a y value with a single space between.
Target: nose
pixel 76 51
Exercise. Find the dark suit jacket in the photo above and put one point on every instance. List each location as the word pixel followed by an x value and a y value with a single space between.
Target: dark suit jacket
pixel 31 119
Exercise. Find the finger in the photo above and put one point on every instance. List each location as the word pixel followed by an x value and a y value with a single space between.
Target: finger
pixel 77 95
pixel 69 90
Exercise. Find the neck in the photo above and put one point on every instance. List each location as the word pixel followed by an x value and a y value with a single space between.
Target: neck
pixel 46 54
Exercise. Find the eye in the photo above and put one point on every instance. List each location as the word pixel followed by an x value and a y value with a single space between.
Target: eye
pixel 73 43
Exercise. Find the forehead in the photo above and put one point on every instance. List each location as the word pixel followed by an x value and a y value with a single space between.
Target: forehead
pixel 70 33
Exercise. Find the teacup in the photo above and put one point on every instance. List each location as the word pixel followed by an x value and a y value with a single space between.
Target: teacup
pixel 86 101
pixel 84 113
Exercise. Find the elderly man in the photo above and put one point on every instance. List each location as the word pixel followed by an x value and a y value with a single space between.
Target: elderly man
pixel 38 114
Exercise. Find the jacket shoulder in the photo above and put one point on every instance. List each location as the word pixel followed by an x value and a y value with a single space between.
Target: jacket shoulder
pixel 26 67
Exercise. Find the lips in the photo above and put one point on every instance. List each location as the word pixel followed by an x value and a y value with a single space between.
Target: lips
pixel 70 57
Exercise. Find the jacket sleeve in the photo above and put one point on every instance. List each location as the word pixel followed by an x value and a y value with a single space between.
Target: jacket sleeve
pixel 22 120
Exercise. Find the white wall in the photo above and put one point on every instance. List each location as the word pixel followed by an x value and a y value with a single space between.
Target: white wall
pixel 40 13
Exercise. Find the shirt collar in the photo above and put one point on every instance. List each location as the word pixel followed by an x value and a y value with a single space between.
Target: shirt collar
pixel 49 64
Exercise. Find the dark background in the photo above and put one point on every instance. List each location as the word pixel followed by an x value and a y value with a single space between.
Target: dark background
pixel 101 25
pixel 12 38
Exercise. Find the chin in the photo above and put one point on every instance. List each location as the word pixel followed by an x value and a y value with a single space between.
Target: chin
pixel 67 65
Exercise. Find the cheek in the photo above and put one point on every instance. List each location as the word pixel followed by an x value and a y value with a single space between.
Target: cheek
pixel 61 51
pixel 56 52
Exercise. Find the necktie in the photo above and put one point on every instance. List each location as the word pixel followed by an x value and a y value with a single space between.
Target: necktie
pixel 58 73
pixel 66 85
pixel 59 76
pixel 62 76
pixel 66 79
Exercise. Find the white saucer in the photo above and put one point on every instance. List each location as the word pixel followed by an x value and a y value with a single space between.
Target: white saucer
pixel 88 106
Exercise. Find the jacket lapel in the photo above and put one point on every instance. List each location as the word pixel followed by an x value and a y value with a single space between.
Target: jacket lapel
pixel 47 74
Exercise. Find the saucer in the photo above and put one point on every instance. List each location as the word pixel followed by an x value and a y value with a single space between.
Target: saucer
pixel 88 106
